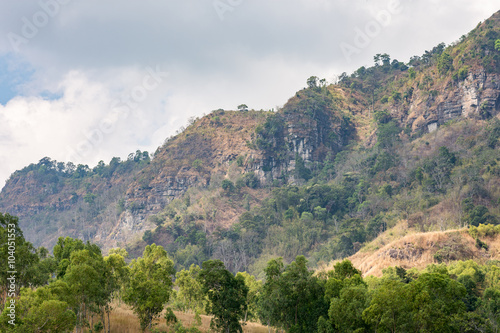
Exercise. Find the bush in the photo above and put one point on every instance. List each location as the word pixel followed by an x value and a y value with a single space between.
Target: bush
pixel 251 180
pixel 484 230
pixel 227 186
pixel 481 245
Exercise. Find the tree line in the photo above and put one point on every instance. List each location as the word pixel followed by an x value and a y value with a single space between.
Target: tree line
pixel 75 288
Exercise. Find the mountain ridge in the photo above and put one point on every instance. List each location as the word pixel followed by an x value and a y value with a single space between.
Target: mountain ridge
pixel 363 138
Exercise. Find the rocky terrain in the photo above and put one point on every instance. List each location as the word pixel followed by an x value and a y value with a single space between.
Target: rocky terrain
pixel 115 204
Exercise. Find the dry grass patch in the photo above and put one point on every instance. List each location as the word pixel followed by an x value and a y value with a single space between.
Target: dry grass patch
pixel 123 320
pixel 421 249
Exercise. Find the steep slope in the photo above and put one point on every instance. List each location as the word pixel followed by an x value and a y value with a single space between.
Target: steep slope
pixel 461 80
pixel 337 165
pixel 56 199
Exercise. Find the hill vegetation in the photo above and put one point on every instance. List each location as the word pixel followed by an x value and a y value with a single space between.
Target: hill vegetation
pixel 396 166
pixel 78 287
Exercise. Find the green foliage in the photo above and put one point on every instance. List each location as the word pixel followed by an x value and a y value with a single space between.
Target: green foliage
pixel 312 82
pixel 251 180
pixel 387 134
pixel 435 298
pixel 150 284
pixel 190 296
pixel 445 63
pixel 240 160
pixel 243 107
pixel 463 72
pixel 147 237
pixel 270 136
pixel 227 186
pixel 497 45
pixel 481 245
pixel 382 117
pixel 476 215
pixel 37 311
pixel 33 267
pixel 439 169
pixel 227 295
pixel 388 307
pixel 254 291
pixel 484 230
pixel 292 297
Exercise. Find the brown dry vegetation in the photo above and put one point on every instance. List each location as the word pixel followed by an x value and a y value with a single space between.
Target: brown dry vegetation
pixel 123 320
pixel 417 250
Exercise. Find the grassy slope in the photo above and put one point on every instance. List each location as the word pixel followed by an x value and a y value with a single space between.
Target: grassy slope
pixel 417 250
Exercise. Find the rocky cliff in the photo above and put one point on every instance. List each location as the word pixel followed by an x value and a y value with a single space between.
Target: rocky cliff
pixel 113 203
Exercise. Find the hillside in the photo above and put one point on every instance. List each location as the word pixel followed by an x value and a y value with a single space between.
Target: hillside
pixel 419 250
pixel 414 144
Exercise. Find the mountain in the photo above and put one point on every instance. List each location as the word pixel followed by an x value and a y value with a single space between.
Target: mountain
pixel 412 144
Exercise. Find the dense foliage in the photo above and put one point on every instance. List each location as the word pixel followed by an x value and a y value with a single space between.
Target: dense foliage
pixel 462 296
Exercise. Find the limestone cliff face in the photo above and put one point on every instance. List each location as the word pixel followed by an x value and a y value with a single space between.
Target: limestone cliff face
pixel 310 127
pixel 478 96
pixel 202 151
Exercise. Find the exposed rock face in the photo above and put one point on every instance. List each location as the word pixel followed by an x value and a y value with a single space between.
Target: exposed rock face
pixel 160 193
pixel 142 203
pixel 478 96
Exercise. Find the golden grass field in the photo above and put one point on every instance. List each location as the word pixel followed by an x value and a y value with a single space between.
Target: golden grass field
pixel 123 320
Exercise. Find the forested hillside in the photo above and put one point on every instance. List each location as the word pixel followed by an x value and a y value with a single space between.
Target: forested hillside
pixel 413 143
pixel 396 166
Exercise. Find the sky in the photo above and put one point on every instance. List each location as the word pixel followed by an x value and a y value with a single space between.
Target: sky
pixel 85 81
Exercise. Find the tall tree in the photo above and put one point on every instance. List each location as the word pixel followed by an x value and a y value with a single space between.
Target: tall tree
pixel 292 298
pixel 227 295
pixel 150 284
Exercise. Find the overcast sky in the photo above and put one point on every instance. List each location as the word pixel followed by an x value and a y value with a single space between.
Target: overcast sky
pixel 84 81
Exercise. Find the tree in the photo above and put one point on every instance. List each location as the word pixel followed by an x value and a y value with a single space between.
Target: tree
pixel 433 299
pixel 388 310
pixel 300 168
pixel 254 288
pixel 312 82
pixel 62 252
pixel 227 186
pixel 270 300
pixel 150 284
pixel 346 310
pixel 243 107
pixel 491 306
pixel 190 294
pixel 439 168
pixel 18 256
pixel 227 295
pixel 445 63
pixel 86 277
pixel 292 298
pixel 118 273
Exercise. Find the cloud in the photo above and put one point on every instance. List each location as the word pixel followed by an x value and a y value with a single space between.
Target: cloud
pixel 87 55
